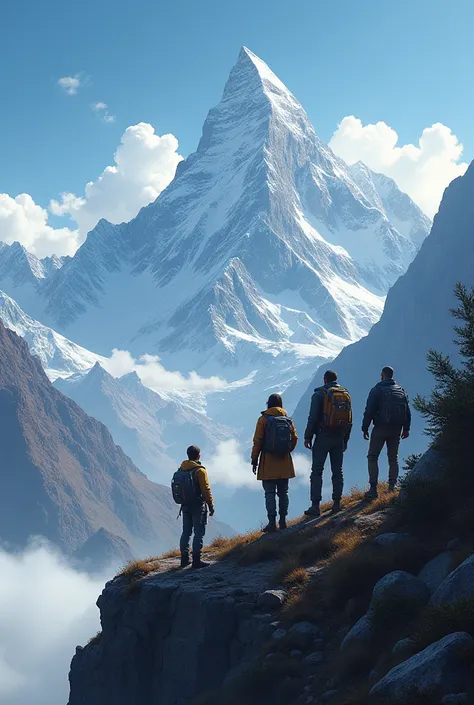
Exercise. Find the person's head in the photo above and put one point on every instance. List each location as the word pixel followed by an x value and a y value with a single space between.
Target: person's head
pixel 194 453
pixel 330 376
pixel 274 400
pixel 387 373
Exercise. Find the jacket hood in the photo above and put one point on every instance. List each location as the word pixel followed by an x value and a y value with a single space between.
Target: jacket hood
pixel 275 411
pixel 387 383
pixel 189 465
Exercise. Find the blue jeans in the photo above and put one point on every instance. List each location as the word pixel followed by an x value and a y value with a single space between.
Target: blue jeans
pixel 272 488
pixel 194 521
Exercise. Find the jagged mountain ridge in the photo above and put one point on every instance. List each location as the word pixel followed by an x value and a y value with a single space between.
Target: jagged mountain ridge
pixel 240 258
pixel 61 471
pixel 416 318
pixel 59 356
pixel 152 430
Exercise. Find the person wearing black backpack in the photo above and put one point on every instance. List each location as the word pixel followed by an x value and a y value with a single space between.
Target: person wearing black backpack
pixel 274 440
pixel 388 408
pixel 191 489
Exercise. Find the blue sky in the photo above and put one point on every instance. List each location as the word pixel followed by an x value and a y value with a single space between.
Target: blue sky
pixel 407 63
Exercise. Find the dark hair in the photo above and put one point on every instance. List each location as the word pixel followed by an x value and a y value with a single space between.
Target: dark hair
pixel 274 400
pixel 330 376
pixel 388 372
pixel 193 452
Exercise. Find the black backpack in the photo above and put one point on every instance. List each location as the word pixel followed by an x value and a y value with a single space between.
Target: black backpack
pixel 278 436
pixel 393 406
pixel 185 487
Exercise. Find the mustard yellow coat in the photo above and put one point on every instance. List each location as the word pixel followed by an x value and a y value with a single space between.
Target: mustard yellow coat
pixel 271 466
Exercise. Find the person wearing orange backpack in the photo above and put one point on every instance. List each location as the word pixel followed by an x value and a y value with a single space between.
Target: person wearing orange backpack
pixel 329 424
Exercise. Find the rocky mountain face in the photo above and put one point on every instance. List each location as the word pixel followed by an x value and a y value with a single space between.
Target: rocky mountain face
pixel 266 252
pixel 22 273
pixel 416 318
pixel 59 356
pixel 364 625
pixel 152 430
pixel 62 475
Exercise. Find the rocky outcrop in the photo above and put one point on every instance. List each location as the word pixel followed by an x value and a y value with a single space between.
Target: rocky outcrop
pixel 440 668
pixel 172 635
pixel 459 585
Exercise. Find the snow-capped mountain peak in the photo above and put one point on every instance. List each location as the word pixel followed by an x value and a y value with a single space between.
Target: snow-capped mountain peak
pixel 263 257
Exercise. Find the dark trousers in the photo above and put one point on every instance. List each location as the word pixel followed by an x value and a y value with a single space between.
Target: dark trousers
pixel 327 443
pixel 194 521
pixel 271 489
pixel 380 436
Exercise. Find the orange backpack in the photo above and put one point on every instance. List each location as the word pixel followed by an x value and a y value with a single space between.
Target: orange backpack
pixel 337 408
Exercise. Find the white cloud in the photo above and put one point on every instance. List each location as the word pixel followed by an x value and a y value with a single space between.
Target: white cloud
pixel 103 110
pixel 46 609
pixel 154 375
pixel 21 219
pixel 145 163
pixel 71 84
pixel 421 171
pixel 228 466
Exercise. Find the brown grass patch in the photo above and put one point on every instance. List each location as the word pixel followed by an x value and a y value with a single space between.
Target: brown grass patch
pixel 224 547
pixel 141 567
pixel 174 553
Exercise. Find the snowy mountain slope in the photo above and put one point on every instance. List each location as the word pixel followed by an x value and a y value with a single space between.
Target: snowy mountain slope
pixel 262 243
pixel 416 318
pixel 21 273
pixel 59 356
pixel 152 430
pixel 398 207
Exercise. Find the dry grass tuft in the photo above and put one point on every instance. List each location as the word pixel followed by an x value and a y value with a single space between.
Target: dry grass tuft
pixel 224 547
pixel 174 553
pixel 95 639
pixel 141 567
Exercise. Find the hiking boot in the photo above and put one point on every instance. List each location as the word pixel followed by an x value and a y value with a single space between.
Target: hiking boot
pixel 372 493
pixel 314 510
pixel 392 486
pixel 336 506
pixel 184 560
pixel 271 526
pixel 198 563
pixel 282 523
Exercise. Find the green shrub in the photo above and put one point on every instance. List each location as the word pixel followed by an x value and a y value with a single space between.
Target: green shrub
pixel 439 621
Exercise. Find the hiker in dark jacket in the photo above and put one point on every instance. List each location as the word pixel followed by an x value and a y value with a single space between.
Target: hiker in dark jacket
pixel 195 515
pixel 274 469
pixel 327 441
pixel 388 408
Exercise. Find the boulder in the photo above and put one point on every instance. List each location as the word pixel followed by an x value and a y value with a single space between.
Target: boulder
pixel 279 634
pixel 303 634
pixel 436 570
pixel 391 539
pixel 314 659
pixel 396 586
pixel 439 667
pixel 360 635
pixel 429 467
pixel 459 585
pixel 272 599
pixel 455 699
pixel 404 649
pixel 400 585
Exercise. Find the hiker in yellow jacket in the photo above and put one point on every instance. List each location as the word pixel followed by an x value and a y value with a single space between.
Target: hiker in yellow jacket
pixel 195 514
pixel 273 444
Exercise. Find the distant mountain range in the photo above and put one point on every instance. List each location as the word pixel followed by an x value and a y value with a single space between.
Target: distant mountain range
pixel 416 318
pixel 62 476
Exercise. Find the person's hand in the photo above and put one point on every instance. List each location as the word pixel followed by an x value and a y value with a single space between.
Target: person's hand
pixel 366 435
pixel 211 511
pixel 405 434
pixel 254 468
pixel 308 443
